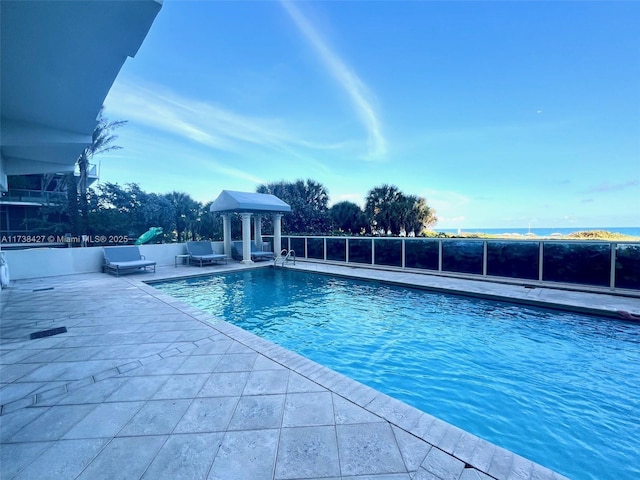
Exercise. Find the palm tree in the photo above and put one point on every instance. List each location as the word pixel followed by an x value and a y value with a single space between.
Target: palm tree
pixel 308 200
pixel 186 211
pixel 417 215
pixel 101 142
pixel 391 211
pixel 348 217
pixel 379 208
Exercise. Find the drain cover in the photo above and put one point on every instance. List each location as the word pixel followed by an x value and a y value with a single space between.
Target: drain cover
pixel 48 333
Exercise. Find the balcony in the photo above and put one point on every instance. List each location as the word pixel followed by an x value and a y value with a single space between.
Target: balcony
pixel 18 196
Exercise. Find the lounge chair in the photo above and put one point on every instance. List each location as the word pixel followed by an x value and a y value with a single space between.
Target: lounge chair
pixel 256 254
pixel 201 253
pixel 121 259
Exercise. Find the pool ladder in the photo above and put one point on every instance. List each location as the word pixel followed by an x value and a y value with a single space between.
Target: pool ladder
pixel 284 257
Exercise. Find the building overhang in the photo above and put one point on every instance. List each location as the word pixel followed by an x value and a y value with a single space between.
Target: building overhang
pixel 59 60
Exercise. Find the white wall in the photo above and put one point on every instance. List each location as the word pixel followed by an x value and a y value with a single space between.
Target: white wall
pixel 49 262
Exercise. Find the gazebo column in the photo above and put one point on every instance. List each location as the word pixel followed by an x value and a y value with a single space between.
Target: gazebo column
pixel 257 231
pixel 246 238
pixel 226 229
pixel 277 233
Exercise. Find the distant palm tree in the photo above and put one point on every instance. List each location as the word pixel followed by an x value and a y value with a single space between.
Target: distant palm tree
pixel 348 217
pixel 380 208
pixel 186 211
pixel 389 211
pixel 101 142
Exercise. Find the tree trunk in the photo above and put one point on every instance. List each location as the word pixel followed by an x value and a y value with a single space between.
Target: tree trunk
pixel 72 203
pixel 83 224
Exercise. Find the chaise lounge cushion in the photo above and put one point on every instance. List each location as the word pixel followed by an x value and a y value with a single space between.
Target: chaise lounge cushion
pixel 121 258
pixel 255 253
pixel 202 252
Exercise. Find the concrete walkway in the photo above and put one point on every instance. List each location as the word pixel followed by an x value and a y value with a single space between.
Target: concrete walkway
pixel 143 386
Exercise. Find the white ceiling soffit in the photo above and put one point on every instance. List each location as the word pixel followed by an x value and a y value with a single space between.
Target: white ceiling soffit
pixel 59 60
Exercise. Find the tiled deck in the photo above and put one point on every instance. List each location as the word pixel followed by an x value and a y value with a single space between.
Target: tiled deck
pixel 143 386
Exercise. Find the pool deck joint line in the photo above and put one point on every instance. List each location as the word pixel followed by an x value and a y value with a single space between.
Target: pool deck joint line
pixel 144 386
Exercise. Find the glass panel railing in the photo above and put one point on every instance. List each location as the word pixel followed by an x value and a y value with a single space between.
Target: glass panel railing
pixel 34 196
pixel 284 244
pixel 513 259
pixel 462 256
pixel 628 266
pixel 315 248
pixel 587 264
pixel 360 250
pixel 297 245
pixel 388 252
pixel 337 249
pixel 421 254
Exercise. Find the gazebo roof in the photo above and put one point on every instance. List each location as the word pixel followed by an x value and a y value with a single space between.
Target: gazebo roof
pixel 229 201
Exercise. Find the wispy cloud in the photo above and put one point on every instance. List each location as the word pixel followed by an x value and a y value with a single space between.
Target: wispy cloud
pixel 612 187
pixel 234 172
pixel 346 77
pixel 149 154
pixel 451 207
pixel 204 123
pixel 356 198
pixel 445 199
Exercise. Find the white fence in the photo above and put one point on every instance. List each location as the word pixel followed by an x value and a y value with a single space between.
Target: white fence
pixel 50 262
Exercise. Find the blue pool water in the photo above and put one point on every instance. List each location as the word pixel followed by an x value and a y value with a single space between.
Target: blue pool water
pixel 556 387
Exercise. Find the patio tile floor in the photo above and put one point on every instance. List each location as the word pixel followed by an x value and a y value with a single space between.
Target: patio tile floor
pixel 143 386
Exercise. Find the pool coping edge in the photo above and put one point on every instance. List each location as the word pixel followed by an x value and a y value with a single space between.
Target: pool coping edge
pixel 482 455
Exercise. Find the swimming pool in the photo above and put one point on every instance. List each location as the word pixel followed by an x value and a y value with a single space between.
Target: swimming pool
pixel 556 387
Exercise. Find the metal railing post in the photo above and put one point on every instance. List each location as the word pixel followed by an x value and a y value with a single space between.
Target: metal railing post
pixel 373 251
pixel 612 272
pixel 540 260
pixel 484 258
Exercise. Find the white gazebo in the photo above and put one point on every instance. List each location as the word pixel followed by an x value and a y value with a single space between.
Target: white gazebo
pixel 249 205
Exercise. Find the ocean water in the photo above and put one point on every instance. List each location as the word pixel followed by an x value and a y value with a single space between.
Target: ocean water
pixel 541 232
pixel 559 388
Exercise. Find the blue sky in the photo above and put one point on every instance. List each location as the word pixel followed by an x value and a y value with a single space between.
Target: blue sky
pixel 501 114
